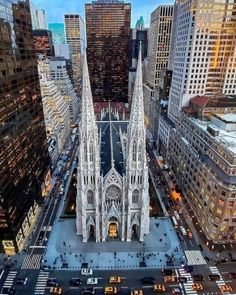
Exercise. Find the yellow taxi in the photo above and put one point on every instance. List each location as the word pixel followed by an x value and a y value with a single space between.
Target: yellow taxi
pixel 170 279
pixel 225 288
pixel 115 280
pixel 110 290
pixel 197 287
pixel 56 290
pixel 159 288
pixel 136 292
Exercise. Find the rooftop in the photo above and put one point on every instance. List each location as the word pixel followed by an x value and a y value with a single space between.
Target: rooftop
pixel 217 101
pixel 111 150
pixel 226 138
pixel 227 118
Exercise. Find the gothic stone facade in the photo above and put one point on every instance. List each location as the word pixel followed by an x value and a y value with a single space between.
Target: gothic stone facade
pixel 112 192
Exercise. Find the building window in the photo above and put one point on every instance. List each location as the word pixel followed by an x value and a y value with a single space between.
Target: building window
pixel 140 151
pixel 231 203
pixel 135 197
pixel 134 150
pixel 219 211
pixel 91 153
pixel 221 202
pixel 90 198
pixel 85 152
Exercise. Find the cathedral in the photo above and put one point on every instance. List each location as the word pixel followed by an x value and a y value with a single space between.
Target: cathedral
pixel 112 177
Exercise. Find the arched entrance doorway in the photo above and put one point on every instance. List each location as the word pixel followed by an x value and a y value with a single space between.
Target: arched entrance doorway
pixel 134 231
pixel 91 232
pixel 113 228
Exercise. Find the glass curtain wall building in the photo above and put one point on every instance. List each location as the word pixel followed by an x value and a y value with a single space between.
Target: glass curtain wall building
pixel 108 39
pixel 24 159
pixel 58 33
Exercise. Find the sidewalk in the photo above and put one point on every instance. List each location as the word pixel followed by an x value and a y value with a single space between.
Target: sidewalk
pixel 65 249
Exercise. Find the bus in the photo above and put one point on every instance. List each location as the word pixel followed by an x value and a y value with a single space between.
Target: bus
pixel 174 221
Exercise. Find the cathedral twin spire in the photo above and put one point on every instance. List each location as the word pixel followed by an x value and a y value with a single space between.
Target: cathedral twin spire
pixel 137 108
pixel 88 121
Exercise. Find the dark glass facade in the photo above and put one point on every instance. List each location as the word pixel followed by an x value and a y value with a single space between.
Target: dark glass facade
pixel 108 39
pixel 24 160
pixel 43 42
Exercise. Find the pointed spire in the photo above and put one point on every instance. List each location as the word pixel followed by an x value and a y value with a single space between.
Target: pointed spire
pixel 137 109
pixel 87 113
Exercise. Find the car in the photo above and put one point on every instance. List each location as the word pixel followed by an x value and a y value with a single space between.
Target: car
pixel 159 288
pixel 182 280
pixel 55 290
pixel 183 230
pixel 147 280
pixel 45 209
pixel 214 277
pixel 75 282
pixel 21 280
pixel 110 290
pixel 136 292
pixel 225 288
pixel 189 233
pixel 176 291
pixel 167 272
pixel 197 287
pixel 176 215
pixel 92 281
pixel 115 280
pixel 41 235
pixel 232 275
pixel 198 278
pixel 86 271
pixel 170 279
pixel 8 290
pixel 52 282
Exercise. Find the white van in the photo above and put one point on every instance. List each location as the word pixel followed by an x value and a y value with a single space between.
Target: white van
pixel 176 215
pixel 183 230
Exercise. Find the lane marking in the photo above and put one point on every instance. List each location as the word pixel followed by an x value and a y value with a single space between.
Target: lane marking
pixel 2 273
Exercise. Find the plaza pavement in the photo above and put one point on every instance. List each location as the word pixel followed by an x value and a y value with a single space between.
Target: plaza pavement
pixel 66 250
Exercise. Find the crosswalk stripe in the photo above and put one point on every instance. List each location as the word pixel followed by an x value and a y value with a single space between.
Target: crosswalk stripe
pixel 194 257
pixel 41 282
pixel 10 279
pixel 32 261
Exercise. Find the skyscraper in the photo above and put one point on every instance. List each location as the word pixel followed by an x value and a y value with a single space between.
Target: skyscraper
pixel 23 149
pixel 60 76
pixel 56 111
pixel 33 15
pixel 108 38
pixel 138 34
pixel 158 55
pixel 58 33
pixel 203 53
pixel 43 42
pixel 75 37
pixel 41 19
